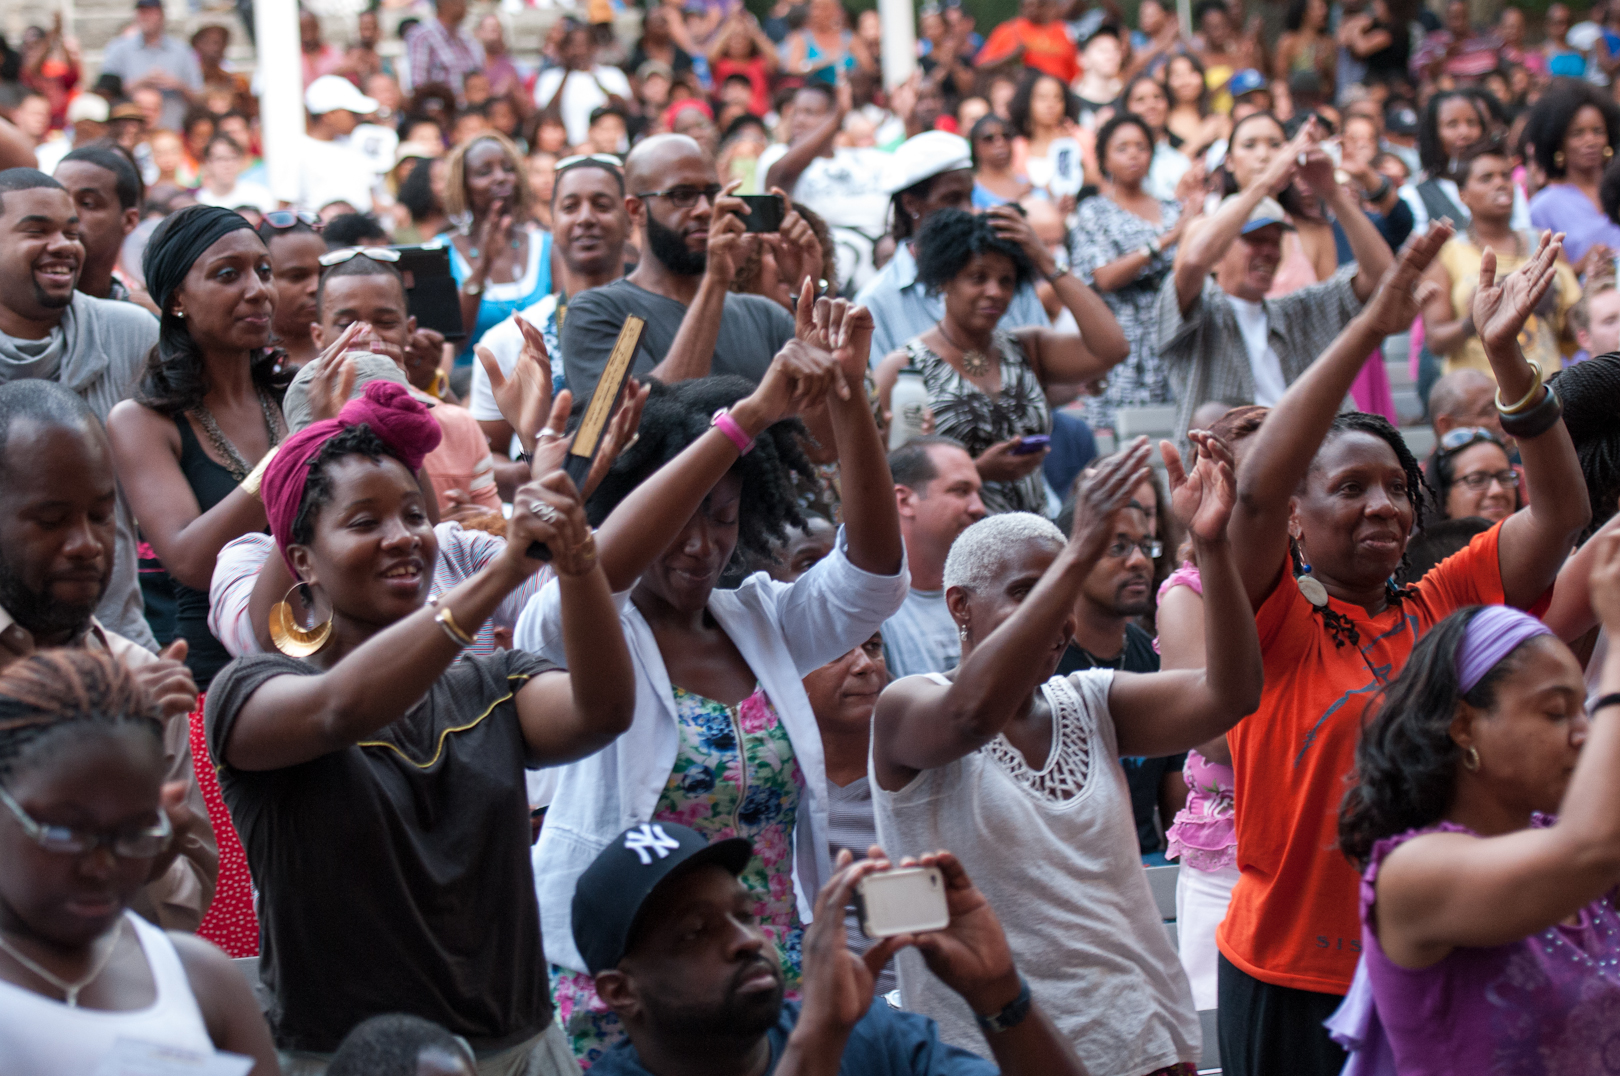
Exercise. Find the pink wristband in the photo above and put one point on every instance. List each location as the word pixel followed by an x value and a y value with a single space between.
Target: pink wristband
pixel 727 425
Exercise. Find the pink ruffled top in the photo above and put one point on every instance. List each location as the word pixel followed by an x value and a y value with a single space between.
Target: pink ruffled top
pixel 1203 835
pixel 1546 1005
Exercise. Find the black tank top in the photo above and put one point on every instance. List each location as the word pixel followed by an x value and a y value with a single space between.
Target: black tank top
pixel 210 483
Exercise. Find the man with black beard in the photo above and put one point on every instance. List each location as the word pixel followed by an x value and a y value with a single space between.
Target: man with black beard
pixel 674 941
pixel 57 500
pixel 692 239
pixel 1120 588
pixel 48 329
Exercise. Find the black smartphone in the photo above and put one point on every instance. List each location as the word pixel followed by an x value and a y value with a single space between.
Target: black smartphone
pixel 1033 443
pixel 764 212
pixel 431 294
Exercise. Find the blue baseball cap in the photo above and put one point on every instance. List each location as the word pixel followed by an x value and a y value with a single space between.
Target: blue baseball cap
pixel 1245 81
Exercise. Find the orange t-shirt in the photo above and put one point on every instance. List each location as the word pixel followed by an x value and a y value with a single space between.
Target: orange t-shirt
pixel 1047 47
pixel 1294 919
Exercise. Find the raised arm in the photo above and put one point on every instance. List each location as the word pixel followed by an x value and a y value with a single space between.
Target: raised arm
pixel 293 719
pixel 1163 713
pixel 1205 245
pixel 786 171
pixel 919 725
pixel 1447 890
pixel 691 354
pixel 1065 357
pixel 1372 255
pixel 647 520
pixel 1445 329
pixel 1286 444
pixel 1571 615
pixel 1533 542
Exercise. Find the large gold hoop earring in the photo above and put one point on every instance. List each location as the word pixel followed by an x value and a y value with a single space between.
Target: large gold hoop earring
pixel 290 637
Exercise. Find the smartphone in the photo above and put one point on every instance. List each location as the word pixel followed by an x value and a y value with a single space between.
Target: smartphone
pixel 431 294
pixel 1034 443
pixel 908 900
pixel 764 213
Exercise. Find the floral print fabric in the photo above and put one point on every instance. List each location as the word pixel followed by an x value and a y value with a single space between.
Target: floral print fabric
pixel 735 775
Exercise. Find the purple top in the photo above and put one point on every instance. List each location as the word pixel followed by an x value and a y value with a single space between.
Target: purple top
pixel 1549 1004
pixel 1203 835
pixel 1560 207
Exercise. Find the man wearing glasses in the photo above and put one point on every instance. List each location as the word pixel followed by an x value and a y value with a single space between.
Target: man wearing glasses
pixel 1118 589
pixel 692 239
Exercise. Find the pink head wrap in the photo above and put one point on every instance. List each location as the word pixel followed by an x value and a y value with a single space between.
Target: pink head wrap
pixel 408 429
pixel 682 105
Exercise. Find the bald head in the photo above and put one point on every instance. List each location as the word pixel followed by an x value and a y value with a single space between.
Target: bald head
pixel 1464 397
pixel 654 161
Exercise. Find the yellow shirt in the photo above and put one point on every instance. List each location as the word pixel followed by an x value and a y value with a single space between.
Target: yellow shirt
pixel 1540 336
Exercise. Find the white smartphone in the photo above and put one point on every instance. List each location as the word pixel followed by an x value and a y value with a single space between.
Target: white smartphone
pixel 908 900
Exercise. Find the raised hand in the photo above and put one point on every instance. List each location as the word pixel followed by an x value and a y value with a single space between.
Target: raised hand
pixel 798 251
pixel 845 329
pixel 549 511
pixel 169 681
pixel 1202 499
pixel 423 354
pixel 621 434
pixel 1102 493
pixel 799 377
pixel 524 397
pixel 1013 226
pixel 1403 291
pixel 837 983
pixel 727 235
pixel 1317 172
pixel 333 377
pixel 1502 307
pixel 1279 172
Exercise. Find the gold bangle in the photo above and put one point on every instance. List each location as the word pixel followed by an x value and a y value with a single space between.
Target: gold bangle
pixel 447 622
pixel 250 484
pixel 1524 403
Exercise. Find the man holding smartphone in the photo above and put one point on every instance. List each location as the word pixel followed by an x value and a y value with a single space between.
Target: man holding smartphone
pixel 671 936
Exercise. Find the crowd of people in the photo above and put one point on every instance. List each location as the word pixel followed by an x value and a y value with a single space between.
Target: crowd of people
pixel 508 703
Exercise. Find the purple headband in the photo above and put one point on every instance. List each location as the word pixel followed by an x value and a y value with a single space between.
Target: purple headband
pixel 1494 633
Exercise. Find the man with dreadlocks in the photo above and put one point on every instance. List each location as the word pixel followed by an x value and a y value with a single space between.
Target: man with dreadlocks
pixel 724 739
pixel 1326 502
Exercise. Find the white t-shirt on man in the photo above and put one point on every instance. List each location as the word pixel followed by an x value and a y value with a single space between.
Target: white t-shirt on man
pixel 1269 385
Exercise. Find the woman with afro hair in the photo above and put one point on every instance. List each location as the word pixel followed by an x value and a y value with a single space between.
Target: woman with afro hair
pixel 724 739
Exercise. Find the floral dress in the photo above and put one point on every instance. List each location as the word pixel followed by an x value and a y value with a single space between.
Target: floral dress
pixel 1103 233
pixel 735 775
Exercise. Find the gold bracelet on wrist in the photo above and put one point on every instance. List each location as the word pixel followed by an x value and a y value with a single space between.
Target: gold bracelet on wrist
pixel 447 623
pixel 1523 403
pixel 250 484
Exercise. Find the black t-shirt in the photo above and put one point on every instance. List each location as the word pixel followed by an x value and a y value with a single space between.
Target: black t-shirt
pixel 1144 775
pixel 394 875
pixel 752 330
pixel 885 1042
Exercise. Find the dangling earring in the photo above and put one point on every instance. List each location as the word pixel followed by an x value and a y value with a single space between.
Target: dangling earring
pixel 1608 151
pixel 1558 159
pixel 1310 586
pixel 289 636
pixel 1471 758
pixel 961 633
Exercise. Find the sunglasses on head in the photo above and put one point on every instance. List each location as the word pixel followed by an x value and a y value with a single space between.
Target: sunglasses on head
pixel 282 219
pixel 376 254
pixel 1463 436
pixel 606 160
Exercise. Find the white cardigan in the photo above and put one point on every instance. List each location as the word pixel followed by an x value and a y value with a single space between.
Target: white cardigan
pixel 784 631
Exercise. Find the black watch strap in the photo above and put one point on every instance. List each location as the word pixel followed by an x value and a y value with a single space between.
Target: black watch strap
pixel 1011 1016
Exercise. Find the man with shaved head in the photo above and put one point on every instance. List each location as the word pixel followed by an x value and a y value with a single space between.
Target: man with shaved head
pixel 692 240
pixel 1465 397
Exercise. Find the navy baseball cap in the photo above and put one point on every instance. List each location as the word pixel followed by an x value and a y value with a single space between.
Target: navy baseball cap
pixel 609 896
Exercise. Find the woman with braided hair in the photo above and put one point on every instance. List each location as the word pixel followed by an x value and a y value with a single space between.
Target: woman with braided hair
pixel 82 829
pixel 724 738
pixel 1326 504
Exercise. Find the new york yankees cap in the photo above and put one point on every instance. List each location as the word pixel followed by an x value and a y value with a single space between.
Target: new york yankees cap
pixel 608 897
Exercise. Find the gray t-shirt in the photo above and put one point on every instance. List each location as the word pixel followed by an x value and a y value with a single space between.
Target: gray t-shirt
pixel 921 637
pixel 98 351
pixel 752 330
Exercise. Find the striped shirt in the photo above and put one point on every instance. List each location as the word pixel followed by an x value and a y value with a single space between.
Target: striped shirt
pixel 439 54
pixel 462 554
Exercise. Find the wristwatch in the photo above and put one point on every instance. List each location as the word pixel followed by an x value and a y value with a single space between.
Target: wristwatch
pixel 1011 1016
pixel 472 290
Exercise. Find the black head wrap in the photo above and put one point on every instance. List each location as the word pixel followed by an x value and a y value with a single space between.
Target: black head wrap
pixel 179 241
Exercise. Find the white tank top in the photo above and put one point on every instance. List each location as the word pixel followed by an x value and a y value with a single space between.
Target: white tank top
pixel 40 1036
pixel 1055 852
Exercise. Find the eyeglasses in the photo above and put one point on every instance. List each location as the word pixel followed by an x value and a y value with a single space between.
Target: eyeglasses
pixel 606 160
pixel 686 197
pixel 1151 549
pixel 376 254
pixel 1480 479
pixel 281 219
pixel 142 843
pixel 1463 436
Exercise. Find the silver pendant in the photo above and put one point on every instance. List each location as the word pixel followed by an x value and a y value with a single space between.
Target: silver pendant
pixel 1312 588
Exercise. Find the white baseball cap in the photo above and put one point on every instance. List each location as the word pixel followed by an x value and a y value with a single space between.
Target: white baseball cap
pixel 331 93
pixel 88 106
pixel 923 156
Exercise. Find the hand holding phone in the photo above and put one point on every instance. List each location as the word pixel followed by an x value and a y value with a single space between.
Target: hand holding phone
pixel 908 900
pixel 765 213
pixel 1032 443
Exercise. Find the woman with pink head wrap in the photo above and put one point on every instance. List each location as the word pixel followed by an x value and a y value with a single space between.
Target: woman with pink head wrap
pixel 371 774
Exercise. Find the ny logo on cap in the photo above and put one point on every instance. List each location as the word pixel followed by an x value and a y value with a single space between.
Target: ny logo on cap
pixel 650 838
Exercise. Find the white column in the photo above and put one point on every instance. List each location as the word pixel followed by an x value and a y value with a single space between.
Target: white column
pixel 279 79
pixel 899 54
